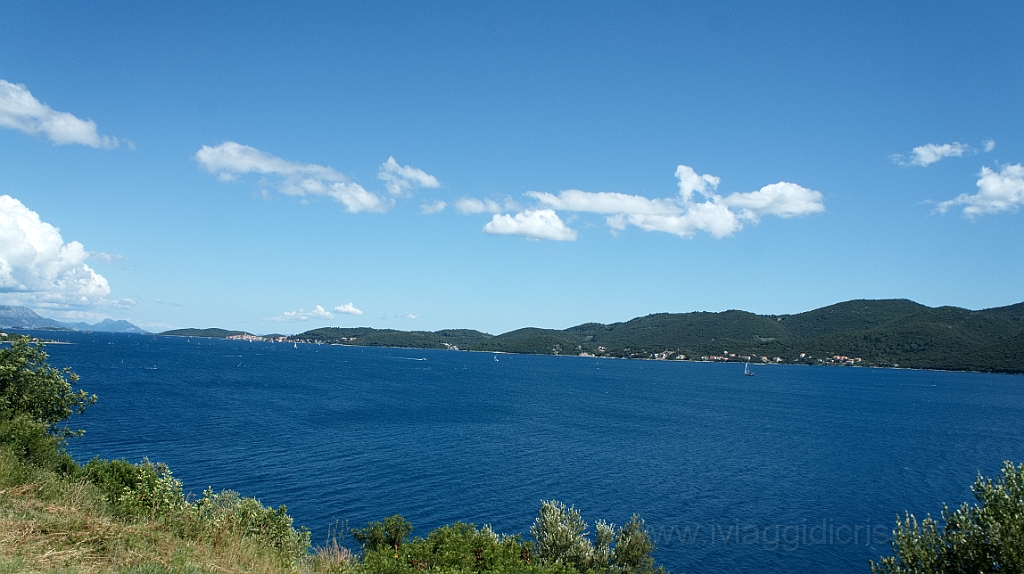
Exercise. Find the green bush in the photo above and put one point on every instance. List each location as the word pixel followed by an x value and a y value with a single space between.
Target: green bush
pixel 561 546
pixel 391 533
pixel 986 537
pixel 35 399
pixel 143 490
pixel 228 512
pixel 562 538
pixel 30 387
pixel 30 441
pixel 459 548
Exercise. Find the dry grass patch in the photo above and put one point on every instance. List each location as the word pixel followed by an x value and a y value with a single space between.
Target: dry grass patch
pixel 52 524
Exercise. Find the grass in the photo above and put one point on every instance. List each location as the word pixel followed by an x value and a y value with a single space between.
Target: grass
pixel 53 523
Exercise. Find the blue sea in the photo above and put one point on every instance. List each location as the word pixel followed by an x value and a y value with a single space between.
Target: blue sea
pixel 796 469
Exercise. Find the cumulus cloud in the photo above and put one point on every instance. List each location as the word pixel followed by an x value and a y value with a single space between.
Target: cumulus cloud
pixel 302 315
pixel 231 159
pixel 471 205
pixel 107 257
pixel 38 268
pixel 348 309
pixel 430 208
pixel 684 215
pixel 534 224
pixel 20 110
pixel 997 191
pixel 400 179
pixel 781 199
pixel 605 202
pixel 412 316
pixel 930 153
pixel 990 145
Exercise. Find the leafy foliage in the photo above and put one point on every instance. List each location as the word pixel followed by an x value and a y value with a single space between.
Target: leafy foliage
pixel 31 388
pixel 143 490
pixel 31 441
pixel 562 538
pixel 148 491
pixel 228 512
pixel 391 533
pixel 986 537
pixel 561 546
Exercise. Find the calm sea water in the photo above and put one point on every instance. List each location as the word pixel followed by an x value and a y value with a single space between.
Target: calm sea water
pixel 797 469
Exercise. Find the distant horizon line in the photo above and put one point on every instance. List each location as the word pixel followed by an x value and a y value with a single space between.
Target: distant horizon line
pixel 585 322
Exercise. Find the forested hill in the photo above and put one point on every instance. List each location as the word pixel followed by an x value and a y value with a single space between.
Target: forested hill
pixel 894 332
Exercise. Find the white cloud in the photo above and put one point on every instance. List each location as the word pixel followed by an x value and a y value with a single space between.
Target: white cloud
pixel 38 268
pixel 930 153
pixel 781 199
pixel 708 216
pixel 20 110
pixel 997 191
pixel 430 208
pixel 690 182
pixel 990 145
pixel 412 316
pixel 303 315
pixel 399 179
pixel 348 309
pixel 107 257
pixel 231 159
pixel 605 202
pixel 535 224
pixel 681 215
pixel 469 205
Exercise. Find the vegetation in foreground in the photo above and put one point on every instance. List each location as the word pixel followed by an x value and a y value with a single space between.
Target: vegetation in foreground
pixel 114 516
pixel 57 516
pixel 985 537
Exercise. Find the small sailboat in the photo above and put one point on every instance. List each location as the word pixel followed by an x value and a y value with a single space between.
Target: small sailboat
pixel 746 369
pixel 495 358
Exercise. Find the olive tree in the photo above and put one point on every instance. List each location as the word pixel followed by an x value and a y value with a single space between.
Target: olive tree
pixel 985 537
pixel 562 538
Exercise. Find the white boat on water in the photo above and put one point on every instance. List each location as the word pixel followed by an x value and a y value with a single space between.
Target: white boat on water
pixel 746 369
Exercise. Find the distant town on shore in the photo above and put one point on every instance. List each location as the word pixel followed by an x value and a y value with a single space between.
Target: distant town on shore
pixel 879 333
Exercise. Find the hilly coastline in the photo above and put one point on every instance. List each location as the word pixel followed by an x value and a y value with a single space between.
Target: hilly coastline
pixel 884 333
pixel 13 317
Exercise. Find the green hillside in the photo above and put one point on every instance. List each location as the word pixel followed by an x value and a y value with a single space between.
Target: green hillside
pixel 893 332
pixel 365 336
pixel 208 333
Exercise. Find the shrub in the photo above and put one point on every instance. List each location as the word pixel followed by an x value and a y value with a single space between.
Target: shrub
pixel 391 533
pixel 562 538
pixel 30 387
pixel 30 441
pixel 226 512
pixel 986 537
pixel 143 490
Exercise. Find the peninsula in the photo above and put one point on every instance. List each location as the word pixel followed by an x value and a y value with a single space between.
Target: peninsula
pixel 884 333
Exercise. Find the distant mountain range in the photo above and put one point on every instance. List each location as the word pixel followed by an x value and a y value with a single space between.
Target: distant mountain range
pixel 25 318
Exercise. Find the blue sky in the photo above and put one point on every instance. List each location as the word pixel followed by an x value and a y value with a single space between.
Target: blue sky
pixel 277 167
